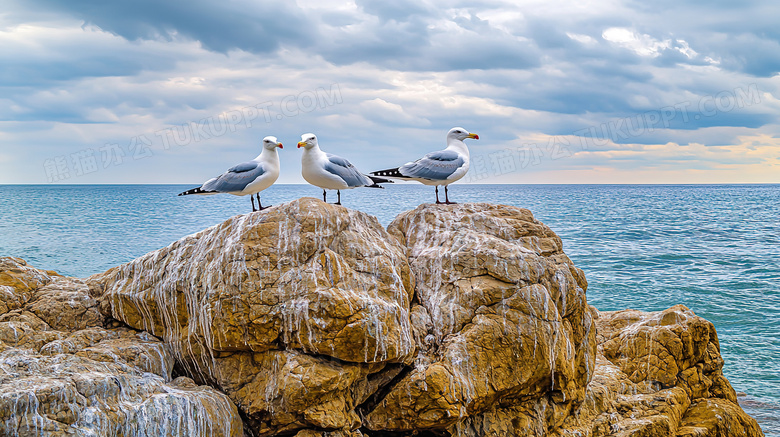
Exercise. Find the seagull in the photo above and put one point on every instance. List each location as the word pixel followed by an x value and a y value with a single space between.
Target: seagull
pixel 249 177
pixel 442 167
pixel 331 172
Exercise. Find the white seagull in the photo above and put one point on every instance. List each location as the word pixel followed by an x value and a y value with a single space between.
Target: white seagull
pixel 437 168
pixel 331 172
pixel 249 177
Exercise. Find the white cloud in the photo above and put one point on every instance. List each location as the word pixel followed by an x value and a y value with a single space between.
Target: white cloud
pixel 711 60
pixel 585 39
pixel 512 74
pixel 641 44
pixel 685 49
pixel 392 113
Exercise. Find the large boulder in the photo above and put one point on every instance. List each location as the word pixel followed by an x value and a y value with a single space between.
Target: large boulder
pixel 66 370
pixel 292 312
pixel 307 275
pixel 500 318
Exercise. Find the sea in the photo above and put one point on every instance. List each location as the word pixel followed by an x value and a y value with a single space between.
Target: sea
pixel 712 248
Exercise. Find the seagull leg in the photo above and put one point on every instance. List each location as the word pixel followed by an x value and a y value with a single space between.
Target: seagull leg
pixel 447 198
pixel 324 195
pixel 438 202
pixel 253 203
pixel 338 193
pixel 260 205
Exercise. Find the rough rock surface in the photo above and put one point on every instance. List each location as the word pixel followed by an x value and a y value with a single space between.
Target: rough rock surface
pixel 292 312
pixel 659 374
pixel 460 320
pixel 309 316
pixel 65 370
pixel 500 320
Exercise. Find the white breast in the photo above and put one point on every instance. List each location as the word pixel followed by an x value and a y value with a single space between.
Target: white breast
pixel 313 170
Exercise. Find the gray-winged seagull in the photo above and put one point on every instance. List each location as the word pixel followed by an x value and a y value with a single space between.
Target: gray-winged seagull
pixel 437 168
pixel 331 172
pixel 249 177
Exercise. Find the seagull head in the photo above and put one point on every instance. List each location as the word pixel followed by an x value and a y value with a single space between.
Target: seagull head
pixel 271 143
pixel 308 141
pixel 460 134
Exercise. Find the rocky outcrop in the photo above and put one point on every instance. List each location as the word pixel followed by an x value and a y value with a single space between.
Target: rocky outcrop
pixel 298 314
pixel 459 320
pixel 313 317
pixel 500 319
pixel 66 370
pixel 658 374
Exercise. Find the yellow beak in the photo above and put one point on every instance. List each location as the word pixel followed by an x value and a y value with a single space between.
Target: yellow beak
pixel 475 136
pixel 301 144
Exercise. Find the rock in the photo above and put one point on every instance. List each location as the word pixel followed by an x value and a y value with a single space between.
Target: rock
pixel 63 373
pixel 716 417
pixel 302 304
pixel 309 276
pixel 503 320
pixel 280 391
pixel 310 320
pixel 17 281
pixel 313 433
pixel 65 304
pixel 671 348
pixel 658 374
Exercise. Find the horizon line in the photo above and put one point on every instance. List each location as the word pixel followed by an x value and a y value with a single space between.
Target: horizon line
pixel 410 184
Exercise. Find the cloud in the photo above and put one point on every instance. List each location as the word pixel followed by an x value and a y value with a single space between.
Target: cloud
pixel 641 44
pixel 79 75
pixel 390 113
pixel 399 11
pixel 259 27
pixel 40 55
pixel 584 39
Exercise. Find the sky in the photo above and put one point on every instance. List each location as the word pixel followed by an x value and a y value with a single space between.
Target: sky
pixel 608 91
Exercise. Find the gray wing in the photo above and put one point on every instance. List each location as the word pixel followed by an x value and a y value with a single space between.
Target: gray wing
pixel 244 166
pixel 435 166
pixel 236 178
pixel 346 171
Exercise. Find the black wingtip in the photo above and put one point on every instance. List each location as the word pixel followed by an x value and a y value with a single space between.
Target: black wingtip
pixel 196 190
pixel 377 180
pixel 390 172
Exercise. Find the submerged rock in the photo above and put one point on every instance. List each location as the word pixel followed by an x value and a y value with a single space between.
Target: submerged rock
pixel 461 320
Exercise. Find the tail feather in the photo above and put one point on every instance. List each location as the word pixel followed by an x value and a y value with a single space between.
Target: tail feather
pixel 377 180
pixel 197 190
pixel 390 172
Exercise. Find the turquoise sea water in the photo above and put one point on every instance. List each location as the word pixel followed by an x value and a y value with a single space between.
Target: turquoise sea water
pixel 713 248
